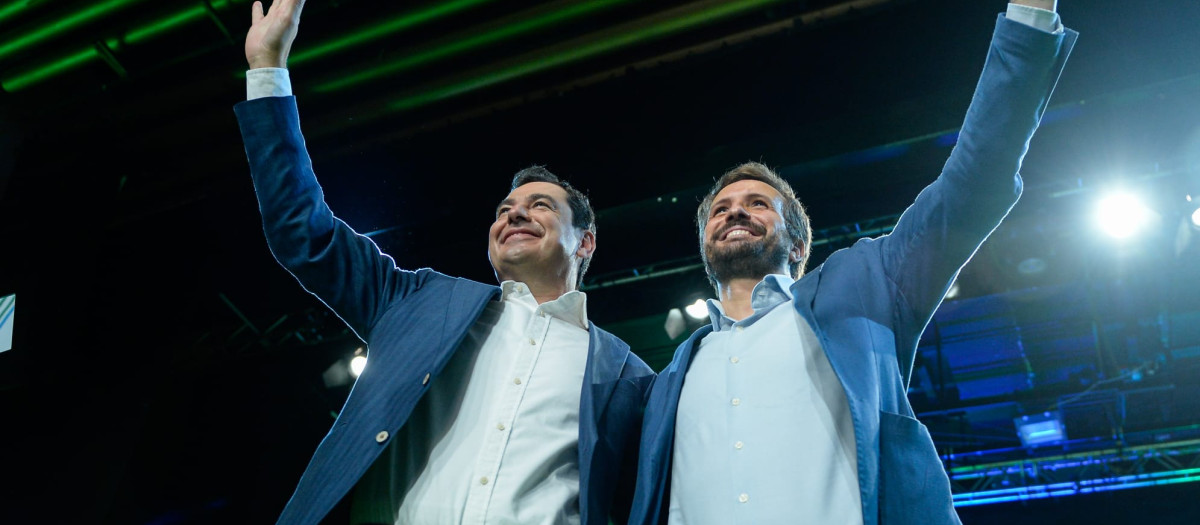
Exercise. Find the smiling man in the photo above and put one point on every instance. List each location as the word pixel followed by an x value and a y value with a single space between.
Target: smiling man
pixel 790 406
pixel 479 404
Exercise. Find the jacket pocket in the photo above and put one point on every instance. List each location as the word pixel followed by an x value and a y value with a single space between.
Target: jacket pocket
pixel 913 487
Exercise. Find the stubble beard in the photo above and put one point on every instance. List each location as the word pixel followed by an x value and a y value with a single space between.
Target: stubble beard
pixel 749 259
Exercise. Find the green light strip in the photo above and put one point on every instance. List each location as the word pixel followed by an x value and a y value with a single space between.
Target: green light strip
pixel 162 25
pixel 25 80
pixel 134 36
pixel 536 62
pixel 392 26
pixel 13 8
pixel 460 46
pixel 61 26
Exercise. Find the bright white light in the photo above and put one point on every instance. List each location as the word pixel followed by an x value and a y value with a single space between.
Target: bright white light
pixel 1121 215
pixel 953 291
pixel 698 309
pixel 1196 217
pixel 357 364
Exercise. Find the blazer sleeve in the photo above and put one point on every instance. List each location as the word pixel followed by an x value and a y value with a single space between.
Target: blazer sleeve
pixel 345 270
pixel 979 183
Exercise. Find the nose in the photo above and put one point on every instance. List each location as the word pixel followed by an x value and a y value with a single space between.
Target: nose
pixel 736 211
pixel 517 213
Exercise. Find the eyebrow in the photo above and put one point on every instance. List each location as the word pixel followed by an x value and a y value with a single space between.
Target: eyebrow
pixel 753 195
pixel 530 198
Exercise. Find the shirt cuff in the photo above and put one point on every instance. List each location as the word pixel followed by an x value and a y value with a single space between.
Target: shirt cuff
pixel 268 82
pixel 1035 17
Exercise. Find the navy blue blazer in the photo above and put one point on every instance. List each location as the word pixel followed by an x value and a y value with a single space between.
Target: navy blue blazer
pixel 413 321
pixel 869 303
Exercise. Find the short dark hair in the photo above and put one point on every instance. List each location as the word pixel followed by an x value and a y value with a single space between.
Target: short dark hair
pixel 798 228
pixel 582 215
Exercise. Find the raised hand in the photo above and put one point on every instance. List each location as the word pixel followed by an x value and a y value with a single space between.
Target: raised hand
pixel 270 37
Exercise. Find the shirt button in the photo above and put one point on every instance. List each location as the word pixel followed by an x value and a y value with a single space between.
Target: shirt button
pixel 532 342
pixel 381 436
pixel 738 328
pixel 736 401
pixel 483 481
pixel 516 381
pixel 500 426
pixel 743 498
pixel 734 360
pixel 738 445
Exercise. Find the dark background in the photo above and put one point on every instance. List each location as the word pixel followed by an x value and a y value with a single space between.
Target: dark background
pixel 166 370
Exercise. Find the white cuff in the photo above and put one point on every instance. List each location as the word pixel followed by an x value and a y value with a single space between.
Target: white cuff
pixel 268 82
pixel 1035 17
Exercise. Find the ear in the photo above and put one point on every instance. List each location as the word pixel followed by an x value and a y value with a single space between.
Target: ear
pixel 796 254
pixel 587 244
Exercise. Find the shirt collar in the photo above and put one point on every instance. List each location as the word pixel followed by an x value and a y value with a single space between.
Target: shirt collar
pixel 770 292
pixel 570 307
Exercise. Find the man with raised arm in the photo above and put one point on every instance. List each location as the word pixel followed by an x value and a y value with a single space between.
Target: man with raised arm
pixel 479 404
pixel 791 407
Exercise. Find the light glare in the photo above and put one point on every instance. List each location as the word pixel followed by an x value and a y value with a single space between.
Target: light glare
pixel 1196 217
pixel 953 291
pixel 1121 215
pixel 357 364
pixel 697 310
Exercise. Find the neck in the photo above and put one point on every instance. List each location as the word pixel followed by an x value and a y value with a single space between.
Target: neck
pixel 736 295
pixel 545 287
pixel 545 294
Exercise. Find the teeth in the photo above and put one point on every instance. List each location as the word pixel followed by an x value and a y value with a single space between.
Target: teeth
pixel 737 233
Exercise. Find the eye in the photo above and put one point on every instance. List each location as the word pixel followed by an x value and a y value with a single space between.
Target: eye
pixel 719 210
pixel 501 211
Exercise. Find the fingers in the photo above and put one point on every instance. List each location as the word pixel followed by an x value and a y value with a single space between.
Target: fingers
pixel 296 6
pixel 256 12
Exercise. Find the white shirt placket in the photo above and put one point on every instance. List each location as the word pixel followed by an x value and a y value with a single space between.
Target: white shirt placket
pixel 504 418
pixel 735 341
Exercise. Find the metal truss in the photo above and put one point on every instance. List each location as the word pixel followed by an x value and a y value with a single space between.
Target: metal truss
pixel 1076 473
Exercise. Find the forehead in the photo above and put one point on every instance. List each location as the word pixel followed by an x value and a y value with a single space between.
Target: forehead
pixel 743 188
pixel 524 191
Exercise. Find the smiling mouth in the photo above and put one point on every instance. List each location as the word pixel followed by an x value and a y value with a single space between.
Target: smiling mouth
pixel 738 233
pixel 518 235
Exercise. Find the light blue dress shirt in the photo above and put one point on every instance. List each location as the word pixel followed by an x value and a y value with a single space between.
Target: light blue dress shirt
pixel 763 432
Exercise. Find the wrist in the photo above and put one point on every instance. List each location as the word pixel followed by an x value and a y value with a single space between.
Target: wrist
pixel 1049 5
pixel 259 62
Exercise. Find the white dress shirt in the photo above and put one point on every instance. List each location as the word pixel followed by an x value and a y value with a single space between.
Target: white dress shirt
pixel 495 438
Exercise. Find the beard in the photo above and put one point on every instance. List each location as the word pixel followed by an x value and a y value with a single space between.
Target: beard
pixel 749 259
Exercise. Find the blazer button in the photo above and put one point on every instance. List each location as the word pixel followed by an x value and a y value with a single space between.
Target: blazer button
pixel 381 436
pixel 426 380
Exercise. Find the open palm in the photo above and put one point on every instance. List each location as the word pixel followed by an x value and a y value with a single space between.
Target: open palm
pixel 271 34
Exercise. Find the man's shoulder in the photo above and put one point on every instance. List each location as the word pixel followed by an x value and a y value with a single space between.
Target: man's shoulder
pixel 441 283
pixel 617 349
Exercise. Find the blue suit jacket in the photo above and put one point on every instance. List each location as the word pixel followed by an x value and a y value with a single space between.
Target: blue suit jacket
pixel 413 321
pixel 869 303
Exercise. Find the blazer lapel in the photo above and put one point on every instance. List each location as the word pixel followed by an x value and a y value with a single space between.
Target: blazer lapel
pixel 605 362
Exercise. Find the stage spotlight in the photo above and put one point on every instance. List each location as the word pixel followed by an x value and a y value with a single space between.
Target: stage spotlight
pixel 1196 217
pixel 675 324
pixel 698 309
pixel 1121 215
pixel 357 364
